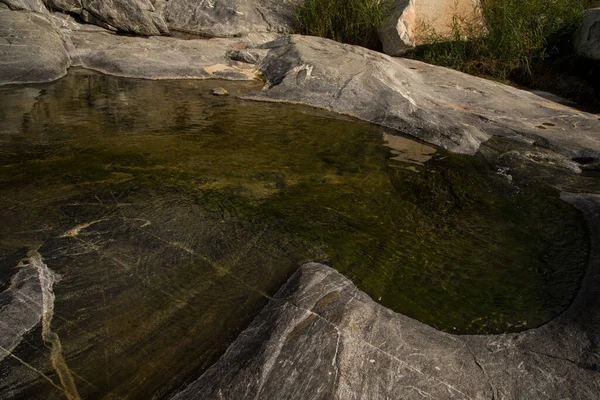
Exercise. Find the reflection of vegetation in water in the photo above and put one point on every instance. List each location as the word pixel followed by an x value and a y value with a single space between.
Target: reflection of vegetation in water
pixel 452 244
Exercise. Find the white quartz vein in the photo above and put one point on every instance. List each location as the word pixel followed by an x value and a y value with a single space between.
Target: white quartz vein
pixel 47 278
pixel 391 356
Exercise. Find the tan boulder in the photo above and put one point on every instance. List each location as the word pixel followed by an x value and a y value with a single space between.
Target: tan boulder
pixel 412 22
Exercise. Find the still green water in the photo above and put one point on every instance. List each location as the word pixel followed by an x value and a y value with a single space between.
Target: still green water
pixel 193 209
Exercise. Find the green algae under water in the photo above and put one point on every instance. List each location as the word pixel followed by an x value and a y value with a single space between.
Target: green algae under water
pixel 246 192
pixel 448 242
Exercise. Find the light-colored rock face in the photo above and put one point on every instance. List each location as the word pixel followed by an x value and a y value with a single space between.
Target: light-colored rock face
pixel 31 50
pixel 158 57
pixel 412 21
pixel 587 42
pixel 229 17
pixel 438 105
pixel 28 5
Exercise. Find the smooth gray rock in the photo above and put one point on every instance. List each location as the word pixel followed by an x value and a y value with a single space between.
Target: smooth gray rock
pixel 223 18
pixel 435 104
pixel 158 57
pixel 31 50
pixel 321 338
pixel 587 40
pixel 26 5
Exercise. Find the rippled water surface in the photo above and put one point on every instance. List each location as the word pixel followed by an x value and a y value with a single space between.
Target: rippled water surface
pixel 172 216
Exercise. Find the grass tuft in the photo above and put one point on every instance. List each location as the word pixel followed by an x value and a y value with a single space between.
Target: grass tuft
pixel 347 21
pixel 529 42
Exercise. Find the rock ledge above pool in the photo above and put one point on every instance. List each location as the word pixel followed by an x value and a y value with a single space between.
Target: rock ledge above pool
pixel 321 338
pixel 434 104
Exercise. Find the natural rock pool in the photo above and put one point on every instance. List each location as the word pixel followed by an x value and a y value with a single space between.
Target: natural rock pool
pixel 172 216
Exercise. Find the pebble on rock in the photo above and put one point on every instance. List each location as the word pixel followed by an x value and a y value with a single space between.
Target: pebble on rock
pixel 220 91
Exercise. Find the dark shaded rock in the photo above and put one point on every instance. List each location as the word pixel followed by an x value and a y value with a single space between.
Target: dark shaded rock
pixel 31 50
pixel 230 17
pixel 70 6
pixel 134 16
pixel 321 338
pixel 91 19
pixel 245 56
pixel 438 105
pixel 587 39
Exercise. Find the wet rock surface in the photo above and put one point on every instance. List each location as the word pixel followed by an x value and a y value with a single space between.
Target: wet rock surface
pixel 172 217
pixel 155 272
pixel 321 338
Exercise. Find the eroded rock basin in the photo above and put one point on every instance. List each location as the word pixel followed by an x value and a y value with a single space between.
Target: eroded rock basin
pixel 172 217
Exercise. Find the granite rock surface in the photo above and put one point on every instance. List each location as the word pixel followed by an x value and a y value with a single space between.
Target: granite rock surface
pixel 158 57
pixel 31 50
pixel 321 338
pixel 26 5
pixel 437 105
pixel 133 16
pixel 225 18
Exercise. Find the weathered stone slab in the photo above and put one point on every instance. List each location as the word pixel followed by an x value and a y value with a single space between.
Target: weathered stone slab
pixel 587 40
pixel 26 5
pixel 134 16
pixel 412 21
pixel 321 338
pixel 224 18
pixel 70 6
pixel 159 57
pixel 437 105
pixel 31 50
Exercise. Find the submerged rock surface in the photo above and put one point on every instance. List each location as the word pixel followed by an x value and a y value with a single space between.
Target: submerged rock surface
pixel 321 338
pixel 173 216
